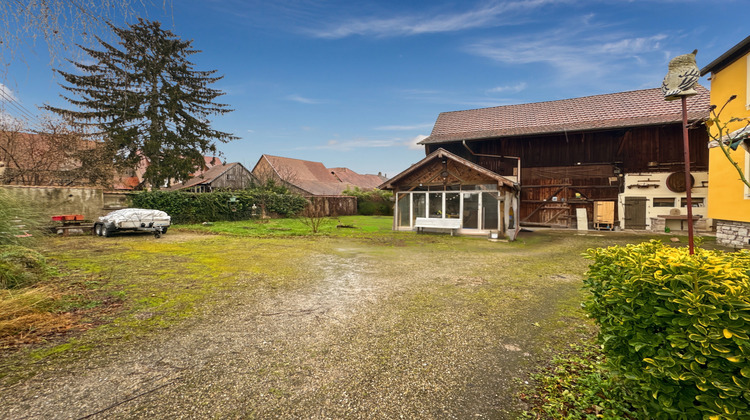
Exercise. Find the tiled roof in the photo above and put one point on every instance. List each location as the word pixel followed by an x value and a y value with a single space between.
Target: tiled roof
pixel 205 177
pixel 316 179
pixel 611 111
pixel 363 181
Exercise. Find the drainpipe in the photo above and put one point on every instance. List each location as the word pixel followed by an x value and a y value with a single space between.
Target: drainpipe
pixel 517 211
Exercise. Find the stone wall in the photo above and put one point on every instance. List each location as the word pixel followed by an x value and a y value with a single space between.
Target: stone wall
pixel 733 234
pixel 90 202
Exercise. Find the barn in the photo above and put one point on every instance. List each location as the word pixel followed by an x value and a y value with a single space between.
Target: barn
pixel 615 159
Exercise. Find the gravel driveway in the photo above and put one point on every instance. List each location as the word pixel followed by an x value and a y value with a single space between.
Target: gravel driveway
pixel 438 328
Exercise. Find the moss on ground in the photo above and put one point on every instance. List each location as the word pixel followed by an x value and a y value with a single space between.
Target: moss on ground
pixel 383 325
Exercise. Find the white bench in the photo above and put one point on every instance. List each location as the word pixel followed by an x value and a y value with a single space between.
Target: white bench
pixel 426 222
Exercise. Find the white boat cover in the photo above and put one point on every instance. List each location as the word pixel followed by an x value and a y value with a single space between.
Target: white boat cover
pixel 135 215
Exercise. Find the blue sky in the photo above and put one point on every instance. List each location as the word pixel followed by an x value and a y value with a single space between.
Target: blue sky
pixel 357 83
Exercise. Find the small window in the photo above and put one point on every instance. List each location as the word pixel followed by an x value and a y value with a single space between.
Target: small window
pixel 663 202
pixel 697 201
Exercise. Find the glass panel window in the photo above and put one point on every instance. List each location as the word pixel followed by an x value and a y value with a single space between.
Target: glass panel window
pixel 452 205
pixel 663 202
pixel 697 201
pixel 403 210
pixel 418 205
pixel 471 211
pixel 489 211
pixel 436 205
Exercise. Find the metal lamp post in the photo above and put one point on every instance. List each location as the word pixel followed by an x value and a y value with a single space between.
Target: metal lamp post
pixel 679 82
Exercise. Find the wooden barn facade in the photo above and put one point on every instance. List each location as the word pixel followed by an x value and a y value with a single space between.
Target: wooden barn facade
pixel 229 176
pixel 624 150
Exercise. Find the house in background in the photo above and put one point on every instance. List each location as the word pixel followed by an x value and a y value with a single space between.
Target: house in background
pixel 445 188
pixel 309 178
pixel 729 198
pixel 49 159
pixel 617 156
pixel 134 180
pixel 230 176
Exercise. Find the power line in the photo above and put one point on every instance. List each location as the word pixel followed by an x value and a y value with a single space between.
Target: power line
pixel 20 110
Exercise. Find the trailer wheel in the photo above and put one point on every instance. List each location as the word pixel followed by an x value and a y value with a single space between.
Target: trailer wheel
pixel 163 230
pixel 157 234
pixel 106 232
pixel 97 229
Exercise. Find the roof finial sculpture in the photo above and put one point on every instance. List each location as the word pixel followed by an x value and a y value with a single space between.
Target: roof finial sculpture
pixel 682 77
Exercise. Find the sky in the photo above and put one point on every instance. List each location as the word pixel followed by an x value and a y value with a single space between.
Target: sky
pixel 358 83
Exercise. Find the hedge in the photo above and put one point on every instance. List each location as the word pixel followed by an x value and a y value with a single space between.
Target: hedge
pixel 373 202
pixel 185 207
pixel 675 326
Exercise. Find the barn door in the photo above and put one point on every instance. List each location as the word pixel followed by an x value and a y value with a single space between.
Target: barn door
pixel 635 212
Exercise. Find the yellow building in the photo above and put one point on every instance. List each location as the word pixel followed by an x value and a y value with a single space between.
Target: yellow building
pixel 728 197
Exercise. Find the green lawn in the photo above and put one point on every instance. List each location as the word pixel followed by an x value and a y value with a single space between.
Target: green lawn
pixel 345 226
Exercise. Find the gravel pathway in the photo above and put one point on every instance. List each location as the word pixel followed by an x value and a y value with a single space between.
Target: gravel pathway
pixel 370 335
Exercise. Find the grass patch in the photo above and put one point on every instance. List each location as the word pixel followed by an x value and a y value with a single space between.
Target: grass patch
pixel 576 385
pixel 354 226
pixel 442 303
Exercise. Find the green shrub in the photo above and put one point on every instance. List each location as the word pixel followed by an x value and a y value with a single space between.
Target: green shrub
pixel 20 267
pixel 675 326
pixel 185 207
pixel 372 202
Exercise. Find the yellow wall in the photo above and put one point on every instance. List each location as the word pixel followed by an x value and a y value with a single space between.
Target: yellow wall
pixel 726 193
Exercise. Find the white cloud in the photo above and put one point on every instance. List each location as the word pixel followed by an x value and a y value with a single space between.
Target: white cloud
pixel 412 143
pixel 587 52
pixel 489 14
pixel 304 100
pixel 511 88
pixel 362 143
pixel 6 95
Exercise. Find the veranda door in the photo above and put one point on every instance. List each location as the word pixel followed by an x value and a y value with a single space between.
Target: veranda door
pixel 480 211
pixel 470 210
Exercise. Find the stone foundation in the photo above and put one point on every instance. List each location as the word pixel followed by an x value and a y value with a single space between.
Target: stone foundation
pixel 659 223
pixel 733 234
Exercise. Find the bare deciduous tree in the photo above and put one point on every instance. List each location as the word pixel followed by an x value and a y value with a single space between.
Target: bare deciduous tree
pixel 54 154
pixel 276 177
pixel 60 23
pixel 315 214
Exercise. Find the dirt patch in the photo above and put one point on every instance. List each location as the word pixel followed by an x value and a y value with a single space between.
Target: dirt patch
pixel 424 330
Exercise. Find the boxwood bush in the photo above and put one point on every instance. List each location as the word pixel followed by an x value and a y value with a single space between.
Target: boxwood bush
pixel 675 327
pixel 185 207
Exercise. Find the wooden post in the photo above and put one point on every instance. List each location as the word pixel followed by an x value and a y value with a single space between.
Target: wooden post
pixel 688 183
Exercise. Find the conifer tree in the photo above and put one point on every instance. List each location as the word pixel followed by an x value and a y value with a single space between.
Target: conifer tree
pixel 147 102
